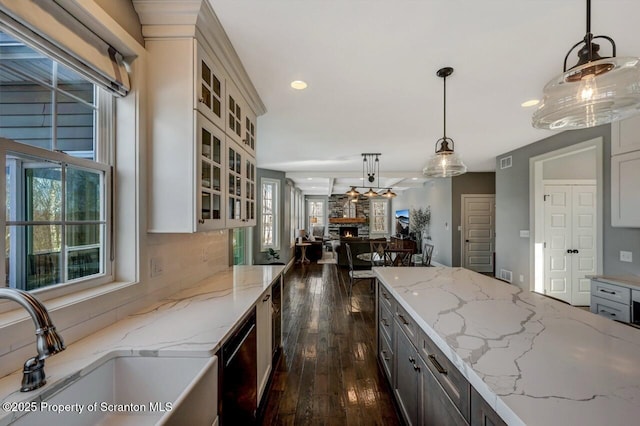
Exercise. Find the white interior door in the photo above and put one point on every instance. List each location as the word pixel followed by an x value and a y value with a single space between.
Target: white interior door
pixel 478 232
pixel 570 241
pixel 584 233
pixel 557 237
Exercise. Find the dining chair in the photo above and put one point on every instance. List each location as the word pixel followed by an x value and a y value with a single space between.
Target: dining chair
pixel 403 257
pixel 356 275
pixel 376 249
pixel 427 253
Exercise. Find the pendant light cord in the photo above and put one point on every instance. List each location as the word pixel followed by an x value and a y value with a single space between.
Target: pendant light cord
pixel 444 108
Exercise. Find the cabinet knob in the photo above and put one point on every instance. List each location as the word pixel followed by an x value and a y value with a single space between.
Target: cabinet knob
pixel 201 100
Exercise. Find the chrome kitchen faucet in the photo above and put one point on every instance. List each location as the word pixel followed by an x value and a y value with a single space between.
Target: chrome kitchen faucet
pixel 48 341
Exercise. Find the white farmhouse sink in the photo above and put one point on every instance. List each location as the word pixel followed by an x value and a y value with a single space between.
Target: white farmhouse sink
pixel 134 390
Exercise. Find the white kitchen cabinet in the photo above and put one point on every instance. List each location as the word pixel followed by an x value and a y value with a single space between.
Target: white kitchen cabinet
pixel 625 191
pixel 201 177
pixel 249 139
pixel 211 150
pixel 210 90
pixel 625 135
pixel 264 348
pixel 241 186
pixel 235 113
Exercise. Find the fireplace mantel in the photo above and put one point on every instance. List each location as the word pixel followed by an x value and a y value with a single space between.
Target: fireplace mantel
pixel 347 220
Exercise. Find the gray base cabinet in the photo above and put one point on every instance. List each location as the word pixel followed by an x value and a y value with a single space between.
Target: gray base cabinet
pixel 428 388
pixel 481 413
pixel 437 407
pixel 407 378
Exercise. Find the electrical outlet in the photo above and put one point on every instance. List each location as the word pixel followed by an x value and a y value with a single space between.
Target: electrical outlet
pixel 626 256
pixel 521 278
pixel 157 266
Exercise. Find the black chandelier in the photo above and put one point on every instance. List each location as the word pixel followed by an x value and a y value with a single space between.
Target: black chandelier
pixel 371 166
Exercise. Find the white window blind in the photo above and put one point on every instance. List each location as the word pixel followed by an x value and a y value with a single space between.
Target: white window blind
pixel 46 26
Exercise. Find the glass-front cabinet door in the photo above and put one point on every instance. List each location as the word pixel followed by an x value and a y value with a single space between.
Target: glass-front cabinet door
pixel 249 139
pixel 211 148
pixel 241 189
pixel 210 88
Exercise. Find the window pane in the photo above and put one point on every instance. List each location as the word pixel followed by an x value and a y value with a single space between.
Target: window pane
pixel 43 190
pixel 83 250
pixel 34 256
pixel 74 84
pixel 83 195
pixel 75 127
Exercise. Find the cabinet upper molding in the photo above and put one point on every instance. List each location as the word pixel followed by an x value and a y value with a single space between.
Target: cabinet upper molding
pixel 188 18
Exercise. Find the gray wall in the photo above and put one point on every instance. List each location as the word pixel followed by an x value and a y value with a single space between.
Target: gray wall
pixel 468 183
pixel 512 208
pixel 284 221
pixel 437 194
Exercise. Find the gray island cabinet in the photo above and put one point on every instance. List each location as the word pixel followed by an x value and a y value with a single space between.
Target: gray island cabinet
pixel 462 348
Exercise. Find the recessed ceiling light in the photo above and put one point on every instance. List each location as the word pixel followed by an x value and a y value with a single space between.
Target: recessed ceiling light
pixel 530 102
pixel 299 85
pixel 414 178
pixel 309 178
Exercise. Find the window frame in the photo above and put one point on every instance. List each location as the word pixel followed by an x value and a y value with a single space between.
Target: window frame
pixel 9 146
pixel 104 119
pixel 275 214
pixel 372 216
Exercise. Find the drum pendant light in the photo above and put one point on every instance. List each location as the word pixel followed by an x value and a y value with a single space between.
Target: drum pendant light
pixel 445 162
pixel 597 90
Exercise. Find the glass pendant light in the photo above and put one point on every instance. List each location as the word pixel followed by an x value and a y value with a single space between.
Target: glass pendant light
pixel 597 90
pixel 445 162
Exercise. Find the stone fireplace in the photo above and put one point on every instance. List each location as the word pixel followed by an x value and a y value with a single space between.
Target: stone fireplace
pixel 348 231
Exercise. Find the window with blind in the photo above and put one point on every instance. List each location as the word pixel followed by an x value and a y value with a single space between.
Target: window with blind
pixel 55 152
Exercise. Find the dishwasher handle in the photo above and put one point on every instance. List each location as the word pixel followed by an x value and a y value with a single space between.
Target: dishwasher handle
pixel 239 346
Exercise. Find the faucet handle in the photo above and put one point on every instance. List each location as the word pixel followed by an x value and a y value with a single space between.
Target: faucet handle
pixel 33 375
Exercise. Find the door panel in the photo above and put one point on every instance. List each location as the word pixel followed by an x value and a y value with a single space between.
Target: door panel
pixel 478 222
pixel 557 230
pixel 570 232
pixel 584 240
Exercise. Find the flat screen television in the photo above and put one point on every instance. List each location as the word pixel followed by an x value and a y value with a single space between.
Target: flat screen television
pixel 402 223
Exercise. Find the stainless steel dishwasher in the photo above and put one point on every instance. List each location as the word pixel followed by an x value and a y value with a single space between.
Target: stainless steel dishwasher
pixel 238 395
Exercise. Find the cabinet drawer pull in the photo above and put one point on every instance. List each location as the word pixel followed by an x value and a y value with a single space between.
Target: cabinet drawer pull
pixel 266 298
pixel 607 312
pixel 384 321
pixel 384 353
pixel 404 320
pixel 201 221
pixel 437 365
pixel 385 295
pixel 606 291
pixel 416 367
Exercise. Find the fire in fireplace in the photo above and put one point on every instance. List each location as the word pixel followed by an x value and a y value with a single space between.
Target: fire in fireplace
pixel 349 231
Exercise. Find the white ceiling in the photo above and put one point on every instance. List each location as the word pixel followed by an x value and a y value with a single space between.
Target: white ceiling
pixel 371 68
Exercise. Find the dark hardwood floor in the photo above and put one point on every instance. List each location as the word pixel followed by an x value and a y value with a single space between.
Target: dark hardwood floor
pixel 328 373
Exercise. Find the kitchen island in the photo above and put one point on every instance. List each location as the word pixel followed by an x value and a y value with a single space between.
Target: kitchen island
pixel 534 360
pixel 194 322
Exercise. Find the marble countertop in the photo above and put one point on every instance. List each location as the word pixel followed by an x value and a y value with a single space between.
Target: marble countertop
pixel 624 280
pixel 535 360
pixel 192 322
